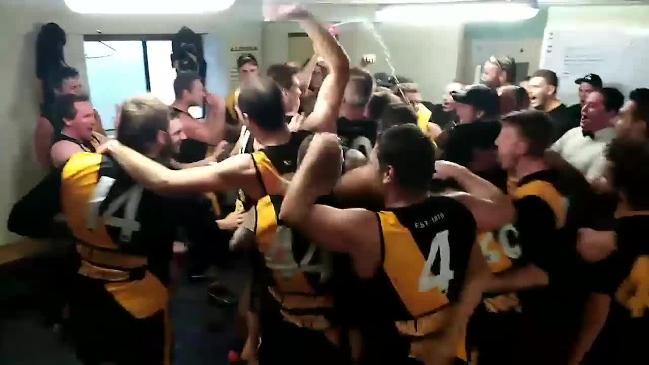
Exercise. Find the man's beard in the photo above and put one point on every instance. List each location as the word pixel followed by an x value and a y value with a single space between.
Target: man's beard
pixel 167 152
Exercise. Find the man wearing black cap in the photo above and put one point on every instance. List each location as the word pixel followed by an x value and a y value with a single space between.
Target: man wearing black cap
pixel 542 89
pixel 587 84
pixel 471 142
pixel 248 70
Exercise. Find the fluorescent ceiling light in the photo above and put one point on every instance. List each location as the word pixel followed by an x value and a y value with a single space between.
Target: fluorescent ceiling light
pixel 148 6
pixel 496 11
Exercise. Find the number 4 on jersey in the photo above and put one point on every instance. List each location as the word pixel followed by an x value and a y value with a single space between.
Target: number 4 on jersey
pixel 130 200
pixel 428 281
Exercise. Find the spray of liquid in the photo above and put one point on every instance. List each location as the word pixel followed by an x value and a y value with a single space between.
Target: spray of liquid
pixel 387 56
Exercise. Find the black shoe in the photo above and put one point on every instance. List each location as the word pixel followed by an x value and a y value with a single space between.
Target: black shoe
pixel 219 295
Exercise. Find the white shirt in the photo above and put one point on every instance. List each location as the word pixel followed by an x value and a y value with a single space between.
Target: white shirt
pixel 584 153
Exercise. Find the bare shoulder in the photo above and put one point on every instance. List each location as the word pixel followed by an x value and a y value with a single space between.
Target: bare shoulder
pixel 61 151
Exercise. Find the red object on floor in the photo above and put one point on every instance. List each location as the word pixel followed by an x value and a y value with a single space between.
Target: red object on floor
pixel 233 357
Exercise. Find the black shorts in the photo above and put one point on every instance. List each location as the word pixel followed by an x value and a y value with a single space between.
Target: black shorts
pixel 496 337
pixel 103 331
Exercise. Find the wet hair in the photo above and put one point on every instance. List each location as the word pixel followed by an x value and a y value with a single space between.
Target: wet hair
pixel 184 81
pixel 283 74
pixel 245 59
pixel 549 76
pixel 507 64
pixel 141 118
pixel 58 76
pixel 261 100
pixel 640 97
pixel 630 170
pixel 613 98
pixel 379 101
pixel 535 126
pixel 64 108
pixel 173 114
pixel 397 148
pixel 359 87
pixel 397 114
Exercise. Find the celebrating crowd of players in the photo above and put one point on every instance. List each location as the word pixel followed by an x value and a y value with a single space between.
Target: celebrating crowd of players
pixel 416 241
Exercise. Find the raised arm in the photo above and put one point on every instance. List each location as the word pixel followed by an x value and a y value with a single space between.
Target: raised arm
pixel 234 172
pixel 212 129
pixel 491 208
pixel 307 72
pixel 354 231
pixel 327 105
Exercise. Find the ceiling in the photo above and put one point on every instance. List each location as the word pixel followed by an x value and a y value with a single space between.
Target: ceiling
pixel 541 2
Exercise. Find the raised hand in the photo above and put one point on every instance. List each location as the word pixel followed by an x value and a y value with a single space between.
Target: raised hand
pixel 446 170
pixel 280 12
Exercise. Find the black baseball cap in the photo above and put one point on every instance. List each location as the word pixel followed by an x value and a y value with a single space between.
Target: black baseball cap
pixel 592 79
pixel 480 97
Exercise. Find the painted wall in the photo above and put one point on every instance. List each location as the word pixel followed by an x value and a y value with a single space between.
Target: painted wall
pixel 521 40
pixel 429 54
pixel 19 22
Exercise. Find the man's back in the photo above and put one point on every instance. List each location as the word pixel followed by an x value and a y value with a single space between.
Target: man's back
pixel 426 249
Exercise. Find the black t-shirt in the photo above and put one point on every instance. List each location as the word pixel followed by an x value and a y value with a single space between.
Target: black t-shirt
pixel 445 120
pixel 562 121
pixel 575 113
pixel 473 145
pixel 357 134
pixel 625 277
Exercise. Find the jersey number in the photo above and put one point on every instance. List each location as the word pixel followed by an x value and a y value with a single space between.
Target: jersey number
pixel 428 281
pixel 280 257
pixel 130 200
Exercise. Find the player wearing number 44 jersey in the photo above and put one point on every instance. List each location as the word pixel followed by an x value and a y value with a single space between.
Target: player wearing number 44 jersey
pixel 259 175
pixel 123 235
pixel 418 256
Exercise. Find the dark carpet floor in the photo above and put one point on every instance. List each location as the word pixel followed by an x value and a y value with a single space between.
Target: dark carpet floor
pixel 203 333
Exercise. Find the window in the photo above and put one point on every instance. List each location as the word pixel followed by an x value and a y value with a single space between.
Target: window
pixel 120 67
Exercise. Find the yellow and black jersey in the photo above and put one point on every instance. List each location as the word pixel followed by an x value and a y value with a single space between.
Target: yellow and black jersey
pixel 425 255
pixel 124 237
pixel 624 276
pixel 296 272
pixel 116 223
pixel 274 164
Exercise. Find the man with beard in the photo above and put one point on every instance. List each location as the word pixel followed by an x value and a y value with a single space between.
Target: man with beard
pixel 261 175
pixel 123 235
pixel 499 71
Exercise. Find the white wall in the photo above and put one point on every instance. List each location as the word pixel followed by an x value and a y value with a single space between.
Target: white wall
pixel 19 22
pixel 428 54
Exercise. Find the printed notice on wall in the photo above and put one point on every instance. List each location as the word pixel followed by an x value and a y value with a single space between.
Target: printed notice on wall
pixel 575 53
